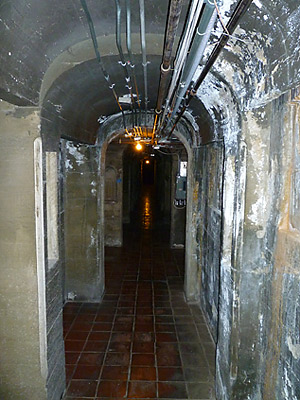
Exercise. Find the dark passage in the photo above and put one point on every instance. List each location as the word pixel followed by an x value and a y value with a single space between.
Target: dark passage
pixel 143 340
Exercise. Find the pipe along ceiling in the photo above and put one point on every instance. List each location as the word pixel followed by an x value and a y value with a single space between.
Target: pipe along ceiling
pixel 81 62
pixel 200 21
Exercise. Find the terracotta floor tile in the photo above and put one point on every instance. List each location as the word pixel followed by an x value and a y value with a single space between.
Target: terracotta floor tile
pixel 77 335
pixel 143 337
pixel 114 373
pixel 127 346
pixel 143 347
pixel 82 388
pixel 99 336
pixel 171 359
pixel 200 391
pixel 94 359
pixel 87 372
pixel 193 360
pixel 143 374
pixel 199 374
pixel 144 311
pixel 81 326
pixel 166 337
pixel 170 374
pixel 72 357
pixel 74 345
pixel 85 318
pixel 122 327
pixel 102 327
pixel 188 337
pixel 111 389
pixel 78 398
pixel 69 372
pixel 143 319
pixel 117 359
pixel 164 319
pixel 143 359
pixel 172 390
pixel 141 390
pixel 193 348
pixel 95 346
pixel 104 318
pixel 121 337
pixel 162 311
pixel 119 347
pixel 124 319
pixel 144 328
pixel 165 328
pixel 125 311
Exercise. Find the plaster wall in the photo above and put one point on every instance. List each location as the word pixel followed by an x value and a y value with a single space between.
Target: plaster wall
pixel 20 370
pixel 82 271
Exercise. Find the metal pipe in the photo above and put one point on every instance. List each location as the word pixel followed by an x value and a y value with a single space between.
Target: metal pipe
pixel 122 61
pixel 182 52
pixel 172 25
pixel 144 57
pixel 98 57
pixel 239 11
pixel 203 33
pixel 128 44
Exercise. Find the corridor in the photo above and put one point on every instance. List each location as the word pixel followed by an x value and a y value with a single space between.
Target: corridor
pixel 143 340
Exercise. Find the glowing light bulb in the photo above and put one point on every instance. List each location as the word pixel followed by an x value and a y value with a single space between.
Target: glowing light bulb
pixel 147 162
pixel 138 147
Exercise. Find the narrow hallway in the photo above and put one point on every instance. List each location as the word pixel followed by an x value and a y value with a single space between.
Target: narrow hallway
pixel 143 340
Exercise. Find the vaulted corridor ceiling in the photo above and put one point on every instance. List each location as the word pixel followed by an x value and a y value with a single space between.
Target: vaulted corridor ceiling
pixel 47 58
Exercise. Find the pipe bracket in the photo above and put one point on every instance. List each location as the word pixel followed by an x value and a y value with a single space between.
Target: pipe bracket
pixel 164 70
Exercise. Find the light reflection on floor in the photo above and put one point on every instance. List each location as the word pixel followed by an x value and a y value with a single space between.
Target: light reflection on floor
pixel 147 212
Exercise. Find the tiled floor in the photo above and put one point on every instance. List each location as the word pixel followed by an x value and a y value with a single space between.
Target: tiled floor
pixel 143 341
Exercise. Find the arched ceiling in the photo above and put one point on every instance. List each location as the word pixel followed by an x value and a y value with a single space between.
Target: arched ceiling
pixel 260 62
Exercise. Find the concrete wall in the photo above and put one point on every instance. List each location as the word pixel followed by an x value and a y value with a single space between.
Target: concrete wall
pixel 82 270
pixel 54 279
pixel 283 363
pixel 20 369
pixel 113 207
pixel 178 214
pixel 163 187
pixel 209 229
pixel 258 338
